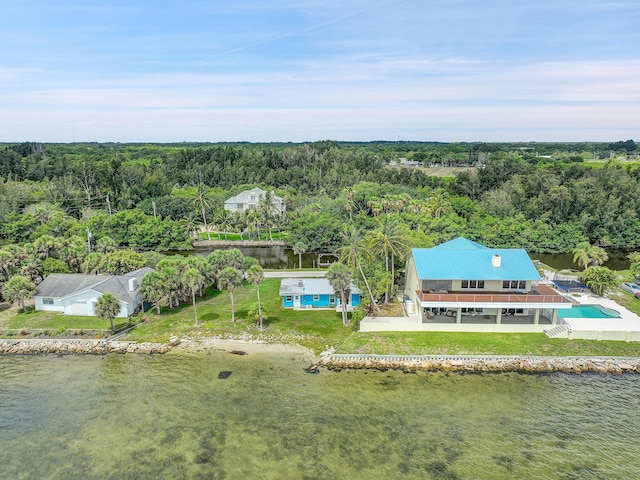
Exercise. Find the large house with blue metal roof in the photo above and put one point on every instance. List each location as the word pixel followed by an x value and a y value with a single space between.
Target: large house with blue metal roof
pixel 465 283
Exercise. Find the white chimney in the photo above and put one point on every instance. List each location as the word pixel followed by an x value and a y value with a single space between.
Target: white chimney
pixel 496 261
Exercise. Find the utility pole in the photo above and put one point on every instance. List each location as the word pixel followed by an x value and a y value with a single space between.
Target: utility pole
pixel 89 235
pixel 109 205
pixel 153 204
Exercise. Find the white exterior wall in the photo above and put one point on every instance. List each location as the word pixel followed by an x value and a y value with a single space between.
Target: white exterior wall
pixel 82 304
pixel 56 307
pixel 411 283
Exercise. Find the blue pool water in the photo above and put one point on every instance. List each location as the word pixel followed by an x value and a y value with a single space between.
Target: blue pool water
pixel 587 311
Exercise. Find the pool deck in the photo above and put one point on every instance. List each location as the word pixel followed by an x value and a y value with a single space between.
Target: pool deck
pixel 628 321
pixel 625 328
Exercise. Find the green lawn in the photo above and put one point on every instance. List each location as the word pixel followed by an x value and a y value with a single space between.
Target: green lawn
pixel 626 300
pixel 39 320
pixel 236 236
pixel 318 329
pixel 314 329
pixel 446 343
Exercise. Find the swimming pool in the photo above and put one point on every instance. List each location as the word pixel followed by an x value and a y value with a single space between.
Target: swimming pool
pixel 587 311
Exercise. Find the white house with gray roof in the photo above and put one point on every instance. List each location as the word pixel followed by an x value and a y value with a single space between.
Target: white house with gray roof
pixel 77 294
pixel 249 200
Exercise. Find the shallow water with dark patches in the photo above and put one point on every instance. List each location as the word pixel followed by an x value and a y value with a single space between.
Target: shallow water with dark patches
pixel 169 416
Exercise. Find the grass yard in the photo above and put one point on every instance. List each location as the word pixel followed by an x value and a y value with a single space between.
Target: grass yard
pixel 236 236
pixel 11 319
pixel 626 300
pixel 316 329
pixel 447 343
pixel 313 329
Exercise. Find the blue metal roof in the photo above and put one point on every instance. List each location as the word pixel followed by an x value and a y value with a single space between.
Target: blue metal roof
pixel 462 259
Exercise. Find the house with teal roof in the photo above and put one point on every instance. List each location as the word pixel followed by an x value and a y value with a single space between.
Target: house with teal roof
pixel 469 285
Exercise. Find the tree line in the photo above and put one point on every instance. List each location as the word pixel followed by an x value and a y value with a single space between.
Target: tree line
pixel 93 198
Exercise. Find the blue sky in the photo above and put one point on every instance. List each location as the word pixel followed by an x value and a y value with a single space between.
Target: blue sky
pixel 275 70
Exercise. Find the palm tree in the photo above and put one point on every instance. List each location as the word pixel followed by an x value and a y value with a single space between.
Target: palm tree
pixel 230 278
pixel 255 275
pixel 581 255
pixel 599 279
pixel 45 245
pixel 585 254
pixel 201 199
pixel 153 288
pixel 339 277
pixel 189 223
pixel 31 268
pixel 194 280
pixel 93 263
pixel 599 255
pixel 389 240
pixel 7 262
pixel 268 207
pixel 204 268
pixel 171 282
pixel 18 289
pixel 298 249
pixel 350 255
pixel 438 204
pixel 107 308
pixel 349 196
pixel 106 245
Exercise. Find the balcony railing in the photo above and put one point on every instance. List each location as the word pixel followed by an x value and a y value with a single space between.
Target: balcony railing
pixel 540 294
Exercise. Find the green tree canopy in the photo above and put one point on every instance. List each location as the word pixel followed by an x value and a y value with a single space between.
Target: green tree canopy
pixel 18 289
pixel 107 308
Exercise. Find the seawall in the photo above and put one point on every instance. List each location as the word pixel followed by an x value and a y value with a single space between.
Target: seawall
pixel 481 364
pixel 237 243
pixel 86 347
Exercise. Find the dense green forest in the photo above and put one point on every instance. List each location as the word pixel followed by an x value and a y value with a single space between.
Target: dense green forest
pixel 544 197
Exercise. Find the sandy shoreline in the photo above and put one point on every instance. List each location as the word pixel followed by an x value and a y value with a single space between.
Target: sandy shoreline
pixel 251 347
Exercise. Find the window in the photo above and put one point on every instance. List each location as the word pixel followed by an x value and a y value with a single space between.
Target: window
pixel 472 284
pixel 522 284
pixel 316 298
pixel 47 301
pixel 515 284
pixel 332 299
pixel 288 299
pixel 506 284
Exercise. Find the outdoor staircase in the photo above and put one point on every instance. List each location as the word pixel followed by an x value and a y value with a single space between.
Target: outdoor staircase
pixel 558 331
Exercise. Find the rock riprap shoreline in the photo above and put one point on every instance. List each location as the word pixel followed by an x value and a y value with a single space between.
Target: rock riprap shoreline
pixel 86 347
pixel 481 364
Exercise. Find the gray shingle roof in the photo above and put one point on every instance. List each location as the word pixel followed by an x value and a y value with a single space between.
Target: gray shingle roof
pixel 60 285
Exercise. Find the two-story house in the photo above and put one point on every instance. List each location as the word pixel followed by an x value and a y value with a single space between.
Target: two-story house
pixel 461 281
pixel 250 199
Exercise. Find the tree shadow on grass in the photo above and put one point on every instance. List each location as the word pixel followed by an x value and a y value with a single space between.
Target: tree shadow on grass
pixel 209 316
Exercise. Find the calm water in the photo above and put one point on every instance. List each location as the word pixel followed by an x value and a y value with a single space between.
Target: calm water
pixel 617 259
pixel 278 257
pixel 275 257
pixel 137 417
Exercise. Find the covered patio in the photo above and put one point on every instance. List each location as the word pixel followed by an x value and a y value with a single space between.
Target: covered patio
pixel 506 319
